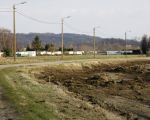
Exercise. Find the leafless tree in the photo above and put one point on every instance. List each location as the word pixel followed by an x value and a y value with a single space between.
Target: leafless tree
pixel 6 39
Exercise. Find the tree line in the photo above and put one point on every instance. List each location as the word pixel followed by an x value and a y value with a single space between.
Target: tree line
pixel 36 45
pixel 6 44
pixel 145 45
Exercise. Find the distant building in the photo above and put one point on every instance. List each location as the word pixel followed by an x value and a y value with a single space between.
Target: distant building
pixel 57 53
pixel 127 52
pixel 1 54
pixel 118 52
pixel 60 53
pixel 74 52
pixel 69 52
pixel 78 52
pixel 91 52
pixel 113 52
pixel 43 52
pixel 50 53
pixel 26 54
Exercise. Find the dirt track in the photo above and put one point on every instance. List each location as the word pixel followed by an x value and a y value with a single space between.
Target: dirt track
pixel 120 88
pixel 6 112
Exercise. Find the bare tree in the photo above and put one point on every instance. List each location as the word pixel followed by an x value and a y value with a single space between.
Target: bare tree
pixel 6 41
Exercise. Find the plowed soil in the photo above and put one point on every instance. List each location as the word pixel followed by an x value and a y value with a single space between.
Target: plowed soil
pixel 122 88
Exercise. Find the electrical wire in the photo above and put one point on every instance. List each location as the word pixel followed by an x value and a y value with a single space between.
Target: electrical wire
pixel 4 8
pixel 75 29
pixel 35 19
pixel 53 23
pixel 5 11
pixel 45 22
pixel 83 32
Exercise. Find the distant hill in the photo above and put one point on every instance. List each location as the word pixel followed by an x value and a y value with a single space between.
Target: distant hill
pixel 76 41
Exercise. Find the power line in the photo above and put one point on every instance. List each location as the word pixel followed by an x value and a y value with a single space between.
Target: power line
pixel 53 23
pixel 75 29
pixel 5 11
pixel 4 8
pixel 85 32
pixel 79 31
pixel 36 20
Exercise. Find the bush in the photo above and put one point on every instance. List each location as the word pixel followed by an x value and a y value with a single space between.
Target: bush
pixel 148 53
pixel 7 52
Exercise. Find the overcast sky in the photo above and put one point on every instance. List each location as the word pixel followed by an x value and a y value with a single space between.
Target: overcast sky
pixel 113 16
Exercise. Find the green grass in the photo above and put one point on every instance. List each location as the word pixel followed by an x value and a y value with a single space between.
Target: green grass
pixel 21 97
pixel 58 58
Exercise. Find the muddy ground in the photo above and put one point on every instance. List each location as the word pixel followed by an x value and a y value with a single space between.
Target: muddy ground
pixel 121 88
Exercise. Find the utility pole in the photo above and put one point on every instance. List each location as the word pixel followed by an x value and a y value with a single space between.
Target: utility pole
pixel 125 43
pixel 62 38
pixel 14 31
pixel 94 41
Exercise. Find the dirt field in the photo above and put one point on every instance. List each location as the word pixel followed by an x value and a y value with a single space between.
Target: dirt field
pixel 123 89
pixel 112 89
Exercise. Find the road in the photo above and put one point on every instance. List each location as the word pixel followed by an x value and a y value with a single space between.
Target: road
pixel 40 64
pixel 73 61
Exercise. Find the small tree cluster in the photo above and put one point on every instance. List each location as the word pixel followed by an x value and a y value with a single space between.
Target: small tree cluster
pixel 37 46
pixel 145 44
pixel 66 49
pixel 6 41
pixel 50 47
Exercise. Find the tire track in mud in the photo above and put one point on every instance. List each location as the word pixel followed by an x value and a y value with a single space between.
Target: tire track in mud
pixel 138 109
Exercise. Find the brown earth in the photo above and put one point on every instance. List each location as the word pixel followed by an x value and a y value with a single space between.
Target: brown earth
pixel 121 88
